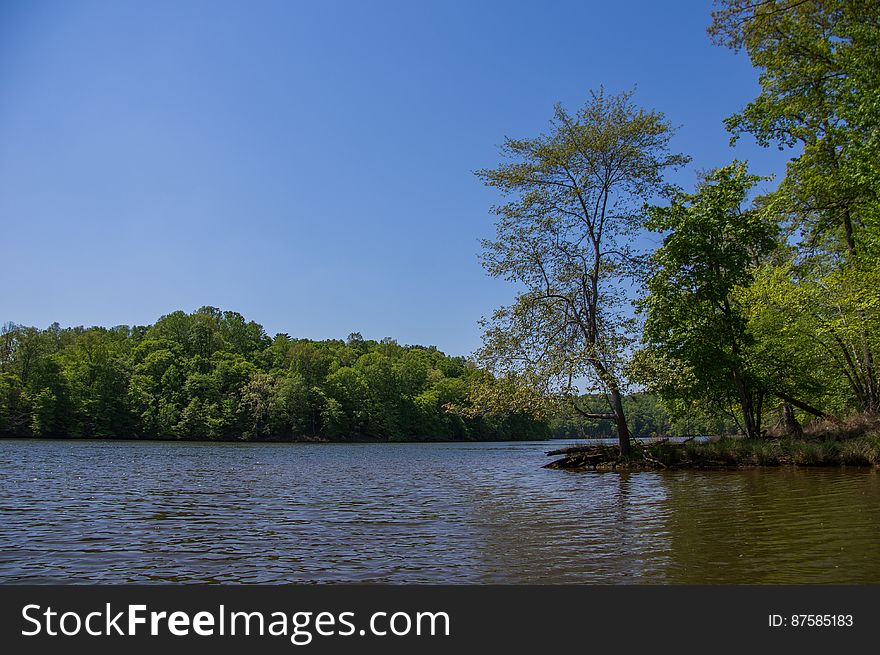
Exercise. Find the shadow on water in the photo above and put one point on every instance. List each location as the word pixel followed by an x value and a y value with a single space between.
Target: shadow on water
pixel 779 526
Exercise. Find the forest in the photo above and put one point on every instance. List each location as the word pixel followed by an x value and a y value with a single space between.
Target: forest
pixel 211 374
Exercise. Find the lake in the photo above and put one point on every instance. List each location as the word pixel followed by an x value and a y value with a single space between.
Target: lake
pixel 122 511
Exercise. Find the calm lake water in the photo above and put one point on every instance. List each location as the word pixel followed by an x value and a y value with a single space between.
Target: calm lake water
pixel 114 512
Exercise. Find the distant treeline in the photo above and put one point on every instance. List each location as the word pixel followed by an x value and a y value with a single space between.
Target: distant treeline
pixel 645 416
pixel 213 375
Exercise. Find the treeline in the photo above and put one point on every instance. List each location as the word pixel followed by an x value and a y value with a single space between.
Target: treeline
pixel 645 414
pixel 213 375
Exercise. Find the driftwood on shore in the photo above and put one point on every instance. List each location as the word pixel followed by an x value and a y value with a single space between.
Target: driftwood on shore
pixel 585 456
pixel 571 450
pixel 593 456
pixel 591 447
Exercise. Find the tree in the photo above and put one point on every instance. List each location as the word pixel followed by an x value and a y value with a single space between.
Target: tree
pixel 698 345
pixel 94 369
pixel 258 397
pixel 861 112
pixel 820 80
pixel 351 393
pixel 14 412
pixel 575 200
pixel 296 407
pixel 809 330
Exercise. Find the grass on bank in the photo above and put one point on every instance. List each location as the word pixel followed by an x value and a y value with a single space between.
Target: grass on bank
pixel 855 442
pixel 736 452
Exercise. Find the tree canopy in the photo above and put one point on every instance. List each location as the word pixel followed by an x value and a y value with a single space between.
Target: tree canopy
pixel 574 197
pixel 212 374
pixel 695 326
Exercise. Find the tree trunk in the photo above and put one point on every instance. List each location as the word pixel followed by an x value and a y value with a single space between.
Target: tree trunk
pixel 759 410
pixel 751 419
pixel 800 404
pixel 792 426
pixel 748 419
pixel 872 402
pixel 623 436
pixel 616 402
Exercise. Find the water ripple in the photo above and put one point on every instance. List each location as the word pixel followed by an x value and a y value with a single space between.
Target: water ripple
pixel 112 512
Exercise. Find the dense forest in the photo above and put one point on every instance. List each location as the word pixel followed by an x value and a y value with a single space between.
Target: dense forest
pixel 213 375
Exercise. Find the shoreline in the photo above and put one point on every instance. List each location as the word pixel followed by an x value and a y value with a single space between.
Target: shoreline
pixel 280 440
pixel 725 453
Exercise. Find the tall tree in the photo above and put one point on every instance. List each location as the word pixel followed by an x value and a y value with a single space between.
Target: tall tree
pixel 819 63
pixel 575 197
pixel 694 326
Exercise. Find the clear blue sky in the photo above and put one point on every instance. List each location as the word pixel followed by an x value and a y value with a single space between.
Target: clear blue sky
pixel 308 164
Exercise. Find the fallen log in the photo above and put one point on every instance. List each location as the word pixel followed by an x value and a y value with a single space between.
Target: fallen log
pixel 577 461
pixel 591 448
pixel 570 450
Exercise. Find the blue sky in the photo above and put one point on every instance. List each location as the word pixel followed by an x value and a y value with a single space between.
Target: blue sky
pixel 308 164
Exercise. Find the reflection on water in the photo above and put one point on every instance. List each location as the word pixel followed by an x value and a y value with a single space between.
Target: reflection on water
pixel 406 513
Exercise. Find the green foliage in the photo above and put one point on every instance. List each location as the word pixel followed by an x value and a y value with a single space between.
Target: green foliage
pixel 574 198
pixel 809 328
pixel 213 375
pixel 697 345
pixel 818 64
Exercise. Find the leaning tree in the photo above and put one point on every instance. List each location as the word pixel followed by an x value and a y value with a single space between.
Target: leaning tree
pixel 565 236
